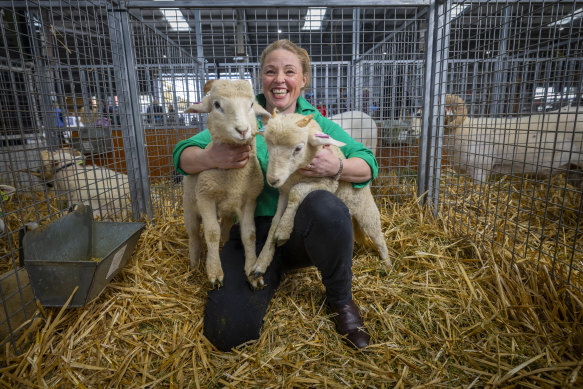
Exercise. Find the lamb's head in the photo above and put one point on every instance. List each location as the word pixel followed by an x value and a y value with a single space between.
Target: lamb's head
pixel 232 110
pixel 456 112
pixel 292 142
pixel 53 160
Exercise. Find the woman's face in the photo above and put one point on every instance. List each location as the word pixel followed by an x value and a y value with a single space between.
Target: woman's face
pixel 282 78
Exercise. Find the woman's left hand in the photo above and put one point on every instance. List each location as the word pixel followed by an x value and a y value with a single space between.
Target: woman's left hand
pixel 324 164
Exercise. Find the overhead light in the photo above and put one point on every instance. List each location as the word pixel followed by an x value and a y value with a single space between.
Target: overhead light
pixel 571 18
pixel 175 18
pixel 458 9
pixel 279 31
pixel 313 19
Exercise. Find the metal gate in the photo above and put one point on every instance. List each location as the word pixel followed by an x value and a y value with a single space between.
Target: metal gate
pixel 111 79
pixel 506 116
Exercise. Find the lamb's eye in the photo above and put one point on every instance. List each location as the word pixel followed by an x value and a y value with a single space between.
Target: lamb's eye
pixel 298 149
pixel 251 107
pixel 217 105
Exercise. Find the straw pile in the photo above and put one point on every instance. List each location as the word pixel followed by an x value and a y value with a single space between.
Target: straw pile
pixel 448 314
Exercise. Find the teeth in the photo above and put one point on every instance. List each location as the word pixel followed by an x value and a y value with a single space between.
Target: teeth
pixel 279 91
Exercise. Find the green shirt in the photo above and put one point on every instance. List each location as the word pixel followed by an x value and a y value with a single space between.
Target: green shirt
pixel 267 200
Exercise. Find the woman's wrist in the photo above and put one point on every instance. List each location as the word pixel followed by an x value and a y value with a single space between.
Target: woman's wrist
pixel 340 169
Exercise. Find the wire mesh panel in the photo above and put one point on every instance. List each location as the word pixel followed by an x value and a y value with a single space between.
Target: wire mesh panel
pixel 511 116
pixel 63 133
pixel 367 65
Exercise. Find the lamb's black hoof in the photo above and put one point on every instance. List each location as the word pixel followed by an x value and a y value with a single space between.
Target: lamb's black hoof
pixel 257 287
pixel 216 284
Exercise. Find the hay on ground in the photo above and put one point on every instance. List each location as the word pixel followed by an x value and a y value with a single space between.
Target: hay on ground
pixel 448 314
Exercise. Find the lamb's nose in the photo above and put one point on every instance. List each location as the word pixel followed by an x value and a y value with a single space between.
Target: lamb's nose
pixel 242 131
pixel 273 182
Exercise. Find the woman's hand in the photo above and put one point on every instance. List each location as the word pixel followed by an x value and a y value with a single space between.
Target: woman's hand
pixel 324 164
pixel 194 160
pixel 226 156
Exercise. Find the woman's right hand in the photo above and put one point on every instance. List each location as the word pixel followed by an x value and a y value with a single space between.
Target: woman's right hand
pixel 194 160
pixel 226 156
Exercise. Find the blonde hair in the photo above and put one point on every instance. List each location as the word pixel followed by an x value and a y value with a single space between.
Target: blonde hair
pixel 302 55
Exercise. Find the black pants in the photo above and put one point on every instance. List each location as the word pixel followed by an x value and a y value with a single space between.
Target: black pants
pixel 322 236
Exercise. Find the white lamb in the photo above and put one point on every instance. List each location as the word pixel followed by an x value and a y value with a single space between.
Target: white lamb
pixel 360 127
pixel 292 142
pixel 225 193
pixel 537 144
pixel 105 190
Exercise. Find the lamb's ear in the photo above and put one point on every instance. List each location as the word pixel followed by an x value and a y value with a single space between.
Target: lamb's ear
pixel 207 86
pixel 203 107
pixel 321 139
pixel 304 121
pixel 45 157
pixel 259 110
pixel 455 110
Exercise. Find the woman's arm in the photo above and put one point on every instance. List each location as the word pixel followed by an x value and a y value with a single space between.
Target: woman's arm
pixel 194 160
pixel 355 170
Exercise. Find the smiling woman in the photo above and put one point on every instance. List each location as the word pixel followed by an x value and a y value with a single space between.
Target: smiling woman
pixel 285 73
pixel 322 232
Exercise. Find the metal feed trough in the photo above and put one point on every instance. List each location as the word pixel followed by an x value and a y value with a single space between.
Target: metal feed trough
pixel 75 251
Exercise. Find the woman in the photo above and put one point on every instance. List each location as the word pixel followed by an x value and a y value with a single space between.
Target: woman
pixel 322 234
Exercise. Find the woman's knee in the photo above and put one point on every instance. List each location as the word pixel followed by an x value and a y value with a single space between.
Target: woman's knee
pixel 234 313
pixel 226 329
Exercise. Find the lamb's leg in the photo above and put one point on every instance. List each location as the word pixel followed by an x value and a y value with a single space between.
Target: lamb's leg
pixel 212 236
pixel 265 257
pixel 192 224
pixel 367 216
pixel 297 194
pixel 247 222
pixel 226 224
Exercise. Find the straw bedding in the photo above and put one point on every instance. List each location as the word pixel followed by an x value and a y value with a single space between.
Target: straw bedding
pixel 448 314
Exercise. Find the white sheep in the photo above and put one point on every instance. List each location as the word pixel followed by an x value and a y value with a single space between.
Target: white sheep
pixel 292 142
pixel 105 190
pixel 225 193
pixel 535 144
pixel 360 127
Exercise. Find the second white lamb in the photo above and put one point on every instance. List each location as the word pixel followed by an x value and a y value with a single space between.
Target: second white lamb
pixel 292 142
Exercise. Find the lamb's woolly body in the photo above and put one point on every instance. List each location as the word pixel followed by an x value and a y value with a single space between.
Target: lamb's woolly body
pixel 225 193
pixel 359 126
pixel 283 134
pixel 105 190
pixel 537 144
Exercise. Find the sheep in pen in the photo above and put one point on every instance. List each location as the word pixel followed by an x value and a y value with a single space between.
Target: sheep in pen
pixel 538 144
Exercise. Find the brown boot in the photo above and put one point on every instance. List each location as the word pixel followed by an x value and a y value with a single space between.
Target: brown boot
pixel 349 323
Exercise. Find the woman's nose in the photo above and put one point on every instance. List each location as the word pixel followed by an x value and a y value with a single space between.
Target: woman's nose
pixel 279 77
